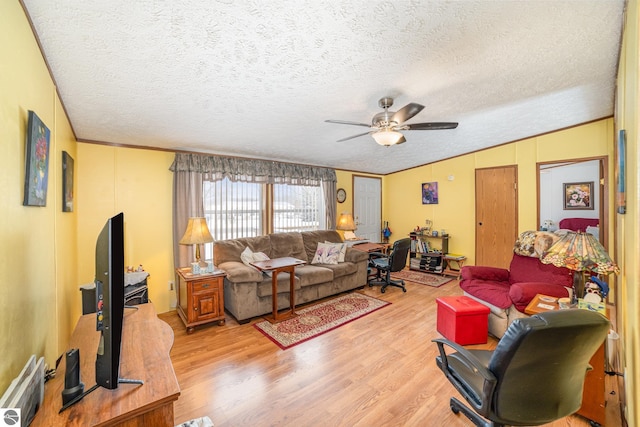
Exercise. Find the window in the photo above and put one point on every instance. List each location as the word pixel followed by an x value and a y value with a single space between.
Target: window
pixel 297 208
pixel 240 209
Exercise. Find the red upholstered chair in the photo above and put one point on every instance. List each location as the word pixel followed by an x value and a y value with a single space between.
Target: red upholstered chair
pixel 508 292
pixel 578 224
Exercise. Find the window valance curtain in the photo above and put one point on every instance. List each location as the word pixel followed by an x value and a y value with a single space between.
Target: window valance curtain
pixel 190 170
pixel 250 170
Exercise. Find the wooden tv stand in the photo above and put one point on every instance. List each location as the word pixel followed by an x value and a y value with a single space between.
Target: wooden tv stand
pixel 146 342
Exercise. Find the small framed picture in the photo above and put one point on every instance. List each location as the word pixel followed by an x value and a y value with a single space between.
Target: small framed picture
pixel 578 196
pixel 430 193
pixel 67 182
pixel 37 162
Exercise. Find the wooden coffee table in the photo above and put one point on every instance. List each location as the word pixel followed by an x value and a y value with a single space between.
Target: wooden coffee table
pixel 275 266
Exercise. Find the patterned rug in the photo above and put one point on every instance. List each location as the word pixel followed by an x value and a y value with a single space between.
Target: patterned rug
pixel 428 279
pixel 319 318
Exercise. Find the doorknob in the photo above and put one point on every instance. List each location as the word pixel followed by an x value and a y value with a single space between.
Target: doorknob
pixel 479 223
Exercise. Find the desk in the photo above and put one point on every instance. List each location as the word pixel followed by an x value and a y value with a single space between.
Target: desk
pixel 371 247
pixel 146 342
pixel 275 266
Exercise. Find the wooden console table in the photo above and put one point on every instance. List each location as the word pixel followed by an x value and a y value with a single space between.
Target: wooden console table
pixel 275 266
pixel 146 342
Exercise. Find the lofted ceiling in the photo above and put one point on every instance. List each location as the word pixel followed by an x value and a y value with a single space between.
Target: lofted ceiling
pixel 258 78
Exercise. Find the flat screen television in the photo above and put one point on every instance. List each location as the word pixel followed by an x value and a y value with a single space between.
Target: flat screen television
pixel 109 281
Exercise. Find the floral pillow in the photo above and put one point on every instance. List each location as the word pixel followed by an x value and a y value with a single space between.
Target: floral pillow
pixel 327 253
pixel 342 247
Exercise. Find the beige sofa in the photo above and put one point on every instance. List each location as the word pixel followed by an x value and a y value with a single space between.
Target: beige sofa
pixel 248 292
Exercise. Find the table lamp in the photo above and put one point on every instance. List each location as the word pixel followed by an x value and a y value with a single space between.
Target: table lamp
pixel 197 233
pixel 580 252
pixel 346 224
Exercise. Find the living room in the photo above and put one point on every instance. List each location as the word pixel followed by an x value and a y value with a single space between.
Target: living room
pixel 48 253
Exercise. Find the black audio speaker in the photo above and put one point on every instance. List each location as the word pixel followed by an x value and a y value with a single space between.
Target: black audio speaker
pixel 72 385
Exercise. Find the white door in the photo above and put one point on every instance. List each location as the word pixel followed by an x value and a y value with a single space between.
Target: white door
pixel 367 207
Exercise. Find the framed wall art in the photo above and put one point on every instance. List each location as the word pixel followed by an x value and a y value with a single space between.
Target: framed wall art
pixel 430 193
pixel 67 182
pixel 578 195
pixel 621 195
pixel 37 162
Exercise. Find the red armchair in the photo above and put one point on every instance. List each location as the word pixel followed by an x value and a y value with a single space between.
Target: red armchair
pixel 508 292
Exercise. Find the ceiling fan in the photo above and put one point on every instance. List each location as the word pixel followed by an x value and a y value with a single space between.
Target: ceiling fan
pixel 385 126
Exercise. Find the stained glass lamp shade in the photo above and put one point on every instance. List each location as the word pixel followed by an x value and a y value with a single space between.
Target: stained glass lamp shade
pixel 580 252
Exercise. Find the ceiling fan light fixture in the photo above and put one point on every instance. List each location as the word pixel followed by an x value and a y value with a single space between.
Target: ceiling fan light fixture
pixel 387 137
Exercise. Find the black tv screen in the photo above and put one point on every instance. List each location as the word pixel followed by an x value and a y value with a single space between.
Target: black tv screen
pixel 109 282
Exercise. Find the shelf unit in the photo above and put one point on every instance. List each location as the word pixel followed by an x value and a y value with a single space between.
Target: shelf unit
pixel 432 260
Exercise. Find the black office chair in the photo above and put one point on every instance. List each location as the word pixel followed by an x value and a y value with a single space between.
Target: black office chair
pixel 387 264
pixel 534 376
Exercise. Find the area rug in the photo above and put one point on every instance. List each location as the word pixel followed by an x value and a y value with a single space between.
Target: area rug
pixel 428 279
pixel 319 319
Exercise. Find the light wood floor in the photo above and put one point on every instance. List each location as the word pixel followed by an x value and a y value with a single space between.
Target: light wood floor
pixel 376 371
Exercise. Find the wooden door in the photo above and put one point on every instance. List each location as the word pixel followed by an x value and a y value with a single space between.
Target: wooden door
pixel 496 215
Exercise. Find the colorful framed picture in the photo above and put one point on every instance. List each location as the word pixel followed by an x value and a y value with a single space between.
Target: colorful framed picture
pixel 430 193
pixel 67 182
pixel 578 195
pixel 621 195
pixel 37 162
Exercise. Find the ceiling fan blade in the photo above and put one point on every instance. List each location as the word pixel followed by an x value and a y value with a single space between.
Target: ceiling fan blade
pixel 401 140
pixel 354 136
pixel 406 112
pixel 430 126
pixel 344 122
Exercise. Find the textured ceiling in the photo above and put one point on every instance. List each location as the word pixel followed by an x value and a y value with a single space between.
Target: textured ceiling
pixel 259 78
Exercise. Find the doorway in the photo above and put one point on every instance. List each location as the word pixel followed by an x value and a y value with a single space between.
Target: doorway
pixel 496 215
pixel 367 207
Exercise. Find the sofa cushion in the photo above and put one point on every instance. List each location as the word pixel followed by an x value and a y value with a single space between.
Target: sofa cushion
pixel 526 269
pixel 522 293
pixel 265 287
pixel 311 238
pixel 342 247
pixel 248 256
pixel 287 245
pixel 326 253
pixel 230 250
pixel 342 269
pixel 313 275
pixel 496 293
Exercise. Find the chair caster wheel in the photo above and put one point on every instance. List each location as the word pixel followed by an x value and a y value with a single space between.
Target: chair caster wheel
pixel 454 409
pixel 404 290
pixel 383 290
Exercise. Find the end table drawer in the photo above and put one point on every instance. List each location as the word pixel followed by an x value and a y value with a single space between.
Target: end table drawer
pixel 206 286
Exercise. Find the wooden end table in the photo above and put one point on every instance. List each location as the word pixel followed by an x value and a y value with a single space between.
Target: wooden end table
pixel 200 297
pixel 541 303
pixel 275 266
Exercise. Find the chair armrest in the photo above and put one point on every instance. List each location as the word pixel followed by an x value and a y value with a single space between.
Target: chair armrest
pixel 494 274
pixel 523 292
pixel 469 360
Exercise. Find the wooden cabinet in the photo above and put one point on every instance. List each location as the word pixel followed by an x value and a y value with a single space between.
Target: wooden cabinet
pixel 200 298
pixel 427 252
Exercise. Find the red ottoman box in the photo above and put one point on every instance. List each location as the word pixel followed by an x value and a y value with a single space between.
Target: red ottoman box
pixel 463 320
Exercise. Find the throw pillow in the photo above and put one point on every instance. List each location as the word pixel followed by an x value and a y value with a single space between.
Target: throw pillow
pixel 342 247
pixel 326 254
pixel 248 256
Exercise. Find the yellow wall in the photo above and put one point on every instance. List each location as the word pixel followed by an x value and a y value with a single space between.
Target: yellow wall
pixel 38 251
pixel 455 211
pixel 628 225
pixel 139 183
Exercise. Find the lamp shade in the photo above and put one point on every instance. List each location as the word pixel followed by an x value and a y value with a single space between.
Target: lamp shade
pixel 580 252
pixel 197 232
pixel 346 223
pixel 387 137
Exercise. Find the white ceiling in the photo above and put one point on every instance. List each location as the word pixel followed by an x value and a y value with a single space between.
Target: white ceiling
pixel 259 78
